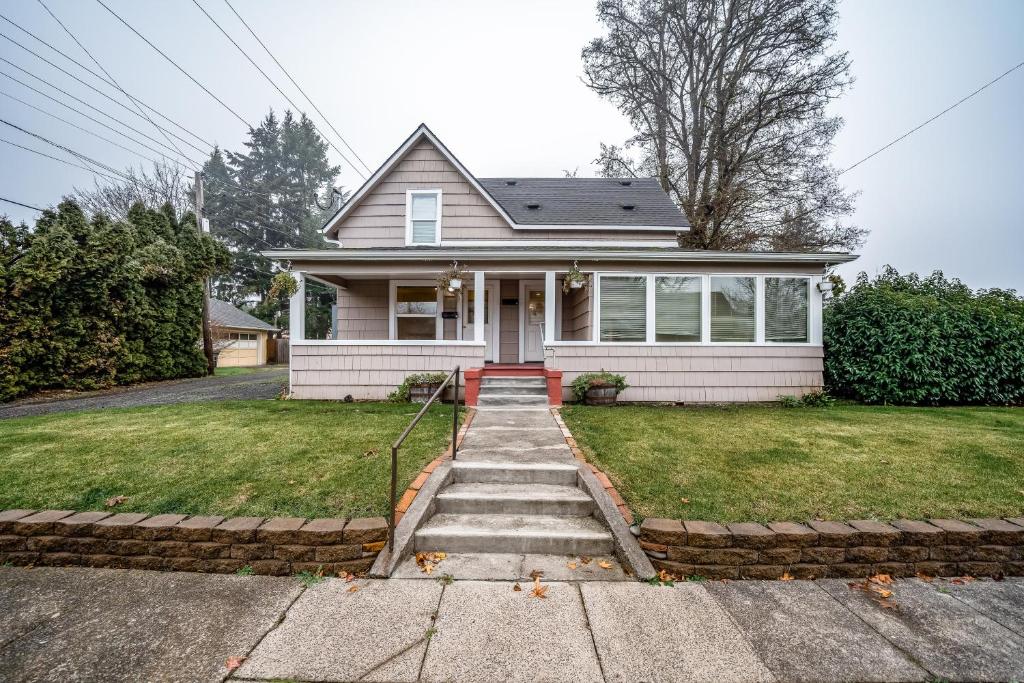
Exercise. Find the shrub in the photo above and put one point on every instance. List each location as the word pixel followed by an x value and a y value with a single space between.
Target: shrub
pixel 597 379
pixel 401 393
pixel 812 399
pixel 903 339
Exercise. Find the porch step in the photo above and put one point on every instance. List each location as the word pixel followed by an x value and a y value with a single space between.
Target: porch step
pixel 482 472
pixel 512 382
pixel 458 533
pixel 514 389
pixel 513 370
pixel 513 400
pixel 519 499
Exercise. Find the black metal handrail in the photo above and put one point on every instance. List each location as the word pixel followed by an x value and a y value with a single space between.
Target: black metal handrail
pixel 452 376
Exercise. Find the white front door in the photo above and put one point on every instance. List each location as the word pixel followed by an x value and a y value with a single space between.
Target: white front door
pixel 490 318
pixel 532 319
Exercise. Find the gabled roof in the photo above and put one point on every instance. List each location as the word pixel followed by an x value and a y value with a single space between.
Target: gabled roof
pixel 568 212
pixel 223 314
pixel 625 202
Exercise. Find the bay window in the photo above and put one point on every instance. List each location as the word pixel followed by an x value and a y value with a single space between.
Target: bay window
pixel 623 309
pixel 677 309
pixel 786 317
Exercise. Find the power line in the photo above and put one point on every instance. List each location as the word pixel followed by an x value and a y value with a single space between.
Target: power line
pixel 176 65
pixel 74 125
pixel 276 87
pixel 91 72
pixel 110 76
pixel 297 86
pixel 101 93
pixel 27 206
pixel 50 156
pixel 79 155
pixel 83 102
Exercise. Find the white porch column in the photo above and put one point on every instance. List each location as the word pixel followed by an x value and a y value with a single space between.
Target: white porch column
pixel 479 306
pixel 549 306
pixel 297 309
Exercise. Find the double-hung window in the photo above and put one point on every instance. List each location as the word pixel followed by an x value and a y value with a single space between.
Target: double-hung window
pixel 416 312
pixel 423 217
pixel 785 310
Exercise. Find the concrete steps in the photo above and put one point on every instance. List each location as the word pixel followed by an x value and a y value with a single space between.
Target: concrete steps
pixel 512 472
pixel 508 533
pixel 527 499
pixel 513 392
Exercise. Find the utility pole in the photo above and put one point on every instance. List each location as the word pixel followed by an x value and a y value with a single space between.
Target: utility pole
pixel 207 333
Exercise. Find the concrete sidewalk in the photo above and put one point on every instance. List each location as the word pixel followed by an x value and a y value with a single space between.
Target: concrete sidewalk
pixel 93 625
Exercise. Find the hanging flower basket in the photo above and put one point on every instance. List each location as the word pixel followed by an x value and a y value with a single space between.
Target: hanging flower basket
pixel 452 278
pixel 574 279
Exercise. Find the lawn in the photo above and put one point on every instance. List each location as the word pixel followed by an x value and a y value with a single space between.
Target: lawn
pixel 261 458
pixel 845 462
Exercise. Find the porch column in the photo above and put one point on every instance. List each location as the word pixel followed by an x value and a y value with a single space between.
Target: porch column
pixel 479 305
pixel 549 306
pixel 297 309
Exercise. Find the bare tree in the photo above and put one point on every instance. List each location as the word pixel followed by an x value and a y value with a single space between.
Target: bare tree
pixel 729 102
pixel 165 183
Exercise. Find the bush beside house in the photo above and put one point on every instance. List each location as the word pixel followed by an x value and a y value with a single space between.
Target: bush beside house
pixel 88 304
pixel 903 339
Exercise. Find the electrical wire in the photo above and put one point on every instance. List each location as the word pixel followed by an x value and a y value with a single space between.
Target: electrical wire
pixel 49 156
pixel 27 206
pixel 297 86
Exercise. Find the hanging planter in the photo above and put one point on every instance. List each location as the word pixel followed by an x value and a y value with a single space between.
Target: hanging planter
pixel 452 278
pixel 574 279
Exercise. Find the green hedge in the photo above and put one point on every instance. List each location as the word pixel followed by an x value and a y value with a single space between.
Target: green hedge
pixel 903 339
pixel 88 304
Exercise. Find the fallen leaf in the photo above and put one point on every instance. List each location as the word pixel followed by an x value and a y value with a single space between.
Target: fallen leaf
pixel 585 560
pixel 786 576
pixel 516 587
pixel 353 589
pixel 887 604
pixel 116 500
pixel 880 579
pixel 538 590
pixel 604 564
pixel 428 561
pixel 924 577
pixel 371 452
pixel 571 565
pixel 883 592
pixel 234 662
pixel 536 574
pixel 684 500
pixel 664 576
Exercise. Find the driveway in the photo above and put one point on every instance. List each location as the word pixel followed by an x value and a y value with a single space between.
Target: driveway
pixel 262 383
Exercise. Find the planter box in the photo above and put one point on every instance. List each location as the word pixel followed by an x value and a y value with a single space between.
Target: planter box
pixel 421 393
pixel 601 395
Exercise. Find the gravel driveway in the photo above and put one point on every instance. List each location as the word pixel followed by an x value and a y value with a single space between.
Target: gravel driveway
pixel 264 383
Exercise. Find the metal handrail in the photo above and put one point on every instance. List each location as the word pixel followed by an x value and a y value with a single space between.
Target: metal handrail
pixel 453 375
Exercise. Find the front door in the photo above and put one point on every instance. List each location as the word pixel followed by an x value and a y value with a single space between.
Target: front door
pixel 490 324
pixel 532 304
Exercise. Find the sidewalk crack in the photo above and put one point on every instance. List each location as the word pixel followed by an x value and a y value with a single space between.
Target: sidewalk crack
pixel 590 630
pixel 274 627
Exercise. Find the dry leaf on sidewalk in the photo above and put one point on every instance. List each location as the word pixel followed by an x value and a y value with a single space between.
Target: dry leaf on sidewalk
pixel 538 590
pixel 353 589
pixel 516 587
pixel 571 565
pixel 585 560
pixel 234 662
pixel 604 564
pixel 786 576
pixel 427 561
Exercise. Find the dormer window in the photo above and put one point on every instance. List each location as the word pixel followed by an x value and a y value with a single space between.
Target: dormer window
pixel 423 217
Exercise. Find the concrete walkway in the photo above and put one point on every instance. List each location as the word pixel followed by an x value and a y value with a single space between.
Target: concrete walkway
pixel 102 625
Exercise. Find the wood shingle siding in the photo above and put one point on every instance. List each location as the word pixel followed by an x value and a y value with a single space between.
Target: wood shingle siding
pixel 696 374
pixel 370 371
pixel 363 310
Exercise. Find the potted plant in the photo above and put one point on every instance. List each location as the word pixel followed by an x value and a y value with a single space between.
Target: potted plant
pixel 451 279
pixel 573 279
pixel 418 387
pixel 598 388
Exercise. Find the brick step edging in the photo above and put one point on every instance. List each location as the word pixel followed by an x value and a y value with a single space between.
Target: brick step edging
pixel 830 549
pixel 171 542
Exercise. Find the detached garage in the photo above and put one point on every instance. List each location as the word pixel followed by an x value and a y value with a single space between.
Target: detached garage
pixel 239 338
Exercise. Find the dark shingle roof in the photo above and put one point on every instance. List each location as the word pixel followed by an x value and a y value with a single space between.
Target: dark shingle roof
pixel 224 314
pixel 585 201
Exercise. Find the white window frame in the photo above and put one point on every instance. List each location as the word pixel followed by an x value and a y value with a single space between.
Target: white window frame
pixel 813 315
pixel 408 217
pixel 811 288
pixel 392 305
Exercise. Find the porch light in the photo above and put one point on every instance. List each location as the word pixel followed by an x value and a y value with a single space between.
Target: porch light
pixel 454 283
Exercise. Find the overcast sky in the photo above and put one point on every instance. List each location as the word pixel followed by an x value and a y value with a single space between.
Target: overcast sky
pixel 499 82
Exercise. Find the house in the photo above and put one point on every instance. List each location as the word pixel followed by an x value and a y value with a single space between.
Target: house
pixel 241 339
pixel 683 326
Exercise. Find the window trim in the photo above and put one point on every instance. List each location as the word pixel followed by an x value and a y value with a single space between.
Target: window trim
pixel 409 194
pixel 810 308
pixel 813 313
pixel 393 316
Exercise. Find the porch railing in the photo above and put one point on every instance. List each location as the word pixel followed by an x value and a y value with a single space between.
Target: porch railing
pixel 453 377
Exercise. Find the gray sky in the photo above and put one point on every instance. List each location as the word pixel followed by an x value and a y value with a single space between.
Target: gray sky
pixel 500 84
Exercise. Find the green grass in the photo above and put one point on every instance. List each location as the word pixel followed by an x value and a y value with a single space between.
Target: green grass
pixel 261 458
pixel 845 462
pixel 232 371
